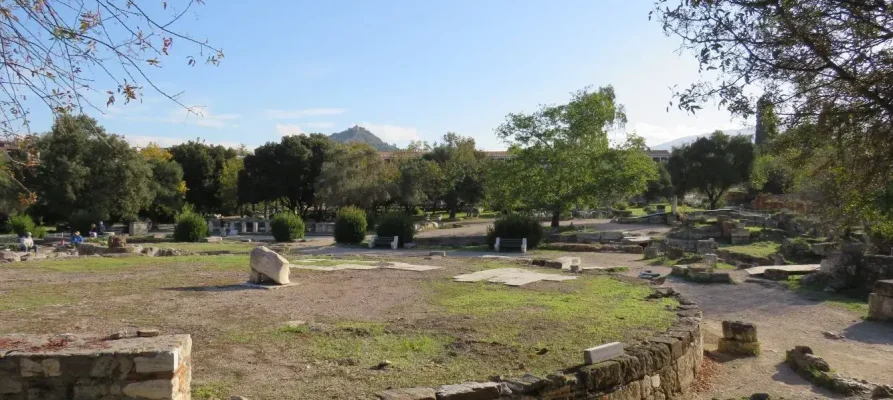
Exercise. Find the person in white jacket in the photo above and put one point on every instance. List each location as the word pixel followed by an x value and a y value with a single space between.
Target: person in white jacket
pixel 26 243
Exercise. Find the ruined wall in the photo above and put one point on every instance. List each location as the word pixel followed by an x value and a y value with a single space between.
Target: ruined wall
pixel 662 367
pixel 66 366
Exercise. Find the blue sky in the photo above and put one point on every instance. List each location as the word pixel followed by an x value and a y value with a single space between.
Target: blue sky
pixel 409 70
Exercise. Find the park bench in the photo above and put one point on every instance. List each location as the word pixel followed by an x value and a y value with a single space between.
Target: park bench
pixel 506 243
pixel 390 241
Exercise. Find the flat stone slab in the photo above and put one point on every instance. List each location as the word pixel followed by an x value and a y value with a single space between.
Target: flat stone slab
pixel 791 269
pixel 510 276
pixel 410 267
pixel 266 287
pixel 387 265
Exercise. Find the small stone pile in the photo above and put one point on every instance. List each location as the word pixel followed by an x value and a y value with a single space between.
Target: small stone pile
pixel 739 338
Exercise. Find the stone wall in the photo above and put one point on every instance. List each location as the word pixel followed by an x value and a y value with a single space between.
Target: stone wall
pixel 662 367
pixel 86 368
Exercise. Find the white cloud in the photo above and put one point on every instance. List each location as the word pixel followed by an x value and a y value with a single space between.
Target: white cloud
pixel 319 125
pixel 288 129
pixel 307 112
pixel 392 133
pixel 165 141
pixel 202 116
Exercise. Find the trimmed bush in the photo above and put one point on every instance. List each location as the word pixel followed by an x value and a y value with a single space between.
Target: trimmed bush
pixel 620 206
pixel 287 227
pixel 350 225
pixel 20 224
pixel 190 227
pixel 648 210
pixel 516 226
pixel 396 225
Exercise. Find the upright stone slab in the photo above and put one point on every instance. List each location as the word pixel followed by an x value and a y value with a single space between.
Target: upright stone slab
pixel 880 308
pixel 710 260
pixel 138 229
pixel 267 265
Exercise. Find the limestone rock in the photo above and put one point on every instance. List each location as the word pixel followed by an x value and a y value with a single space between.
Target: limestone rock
pixel 267 265
pixel 408 394
pixel 117 242
pixel 9 256
pixel 884 288
pixel 882 392
pixel 802 359
pixel 880 307
pixel 651 252
pixel 214 239
pixel 776 274
pixel 740 331
pixel 472 391
pixel 89 249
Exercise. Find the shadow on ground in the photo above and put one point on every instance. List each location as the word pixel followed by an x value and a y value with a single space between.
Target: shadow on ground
pixel 870 332
pixel 784 374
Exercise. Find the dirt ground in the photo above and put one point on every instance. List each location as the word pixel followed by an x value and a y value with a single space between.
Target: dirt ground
pixel 357 318
pixel 200 298
pixel 784 319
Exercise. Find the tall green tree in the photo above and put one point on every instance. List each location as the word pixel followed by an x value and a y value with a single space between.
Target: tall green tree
pixel 767 122
pixel 354 174
pixel 167 184
pixel 660 187
pixel 562 156
pixel 462 168
pixel 418 181
pixel 202 166
pixel 229 185
pixel 712 165
pixel 83 168
pixel 286 171
pixel 827 64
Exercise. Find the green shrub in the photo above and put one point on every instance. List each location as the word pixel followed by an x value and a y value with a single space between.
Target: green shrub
pixel 623 213
pixel 396 225
pixel 648 210
pixel 287 226
pixel 350 225
pixel 516 226
pixel 190 227
pixel 20 224
pixel 620 206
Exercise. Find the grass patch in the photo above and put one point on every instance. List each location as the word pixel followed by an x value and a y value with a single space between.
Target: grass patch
pixel 30 298
pixel 235 247
pixel 725 267
pixel 756 249
pixel 854 302
pixel 209 391
pixel 106 264
pixel 620 306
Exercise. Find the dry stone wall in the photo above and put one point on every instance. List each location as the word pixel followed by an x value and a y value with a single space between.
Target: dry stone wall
pixel 659 368
pixel 66 366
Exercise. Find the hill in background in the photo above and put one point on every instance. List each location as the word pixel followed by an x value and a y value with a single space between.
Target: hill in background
pixel 689 139
pixel 362 135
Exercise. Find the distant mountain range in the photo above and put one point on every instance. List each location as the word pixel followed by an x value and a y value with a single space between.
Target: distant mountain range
pixel 689 139
pixel 362 135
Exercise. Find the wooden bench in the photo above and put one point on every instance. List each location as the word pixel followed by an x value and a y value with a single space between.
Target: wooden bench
pixel 506 243
pixel 390 241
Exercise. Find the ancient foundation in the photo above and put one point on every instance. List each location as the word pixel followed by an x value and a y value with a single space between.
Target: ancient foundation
pixel 66 366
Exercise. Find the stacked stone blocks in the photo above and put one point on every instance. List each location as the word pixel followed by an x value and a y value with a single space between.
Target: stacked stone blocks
pixel 92 368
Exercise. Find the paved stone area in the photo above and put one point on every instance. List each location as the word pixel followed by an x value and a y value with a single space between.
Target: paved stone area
pixel 789 268
pixel 385 265
pixel 510 276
